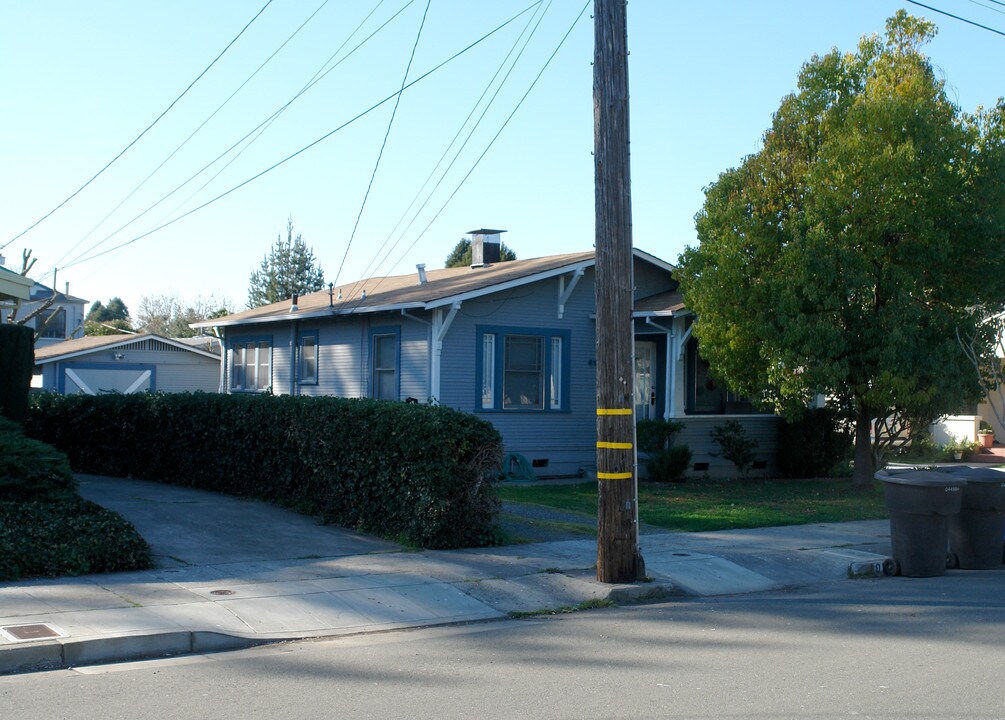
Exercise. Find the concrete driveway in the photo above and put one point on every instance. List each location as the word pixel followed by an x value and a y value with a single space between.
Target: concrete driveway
pixel 193 527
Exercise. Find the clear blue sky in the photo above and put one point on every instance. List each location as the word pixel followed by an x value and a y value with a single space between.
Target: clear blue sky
pixel 81 80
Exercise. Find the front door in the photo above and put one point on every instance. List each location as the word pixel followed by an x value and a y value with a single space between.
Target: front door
pixel 645 388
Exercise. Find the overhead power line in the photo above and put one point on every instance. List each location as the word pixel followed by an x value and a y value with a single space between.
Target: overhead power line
pixel 955 17
pixel 377 259
pixel 137 138
pixel 320 74
pixel 307 147
pixel 191 135
pixel 383 144
pixel 487 147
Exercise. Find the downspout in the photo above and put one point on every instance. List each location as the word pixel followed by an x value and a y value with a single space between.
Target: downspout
pixel 294 366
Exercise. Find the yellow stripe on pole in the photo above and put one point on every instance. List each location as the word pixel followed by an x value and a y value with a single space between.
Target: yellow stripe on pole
pixel 614 411
pixel 615 446
pixel 614 476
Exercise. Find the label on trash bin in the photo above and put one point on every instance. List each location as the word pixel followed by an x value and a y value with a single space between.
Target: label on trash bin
pixel 952 489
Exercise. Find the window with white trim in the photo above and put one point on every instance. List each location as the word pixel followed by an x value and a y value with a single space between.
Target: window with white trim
pixel 251 362
pixel 522 369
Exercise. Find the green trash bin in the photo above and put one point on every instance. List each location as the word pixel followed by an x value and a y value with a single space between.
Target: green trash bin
pixel 920 503
pixel 975 534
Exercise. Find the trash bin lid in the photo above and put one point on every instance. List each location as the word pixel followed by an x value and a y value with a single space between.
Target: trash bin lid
pixel 930 478
pixel 976 474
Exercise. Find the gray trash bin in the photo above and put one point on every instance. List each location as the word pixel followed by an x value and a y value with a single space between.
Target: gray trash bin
pixel 975 535
pixel 920 503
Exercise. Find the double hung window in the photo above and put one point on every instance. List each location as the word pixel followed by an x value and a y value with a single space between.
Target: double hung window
pixel 522 369
pixel 251 362
pixel 307 368
pixel 384 364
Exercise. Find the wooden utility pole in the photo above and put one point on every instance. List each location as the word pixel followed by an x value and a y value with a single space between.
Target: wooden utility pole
pixel 618 556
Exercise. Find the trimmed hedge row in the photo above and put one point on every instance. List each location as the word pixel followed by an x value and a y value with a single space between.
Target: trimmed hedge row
pixel 413 473
pixel 68 537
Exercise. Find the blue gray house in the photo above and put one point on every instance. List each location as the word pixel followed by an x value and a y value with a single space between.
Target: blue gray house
pixel 512 342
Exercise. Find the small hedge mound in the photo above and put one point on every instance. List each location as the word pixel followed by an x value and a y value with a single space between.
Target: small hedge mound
pixel 69 537
pixel 46 529
pixel 32 470
pixel 413 473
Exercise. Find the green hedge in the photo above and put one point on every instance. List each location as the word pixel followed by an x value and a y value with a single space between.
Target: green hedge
pixel 32 470
pixel 413 473
pixel 69 537
pixel 17 358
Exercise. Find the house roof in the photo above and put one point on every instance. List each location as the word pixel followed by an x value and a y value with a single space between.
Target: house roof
pixel 13 285
pixel 663 304
pixel 90 343
pixel 44 292
pixel 404 292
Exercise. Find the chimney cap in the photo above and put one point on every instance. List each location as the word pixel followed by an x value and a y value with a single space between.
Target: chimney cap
pixel 485 231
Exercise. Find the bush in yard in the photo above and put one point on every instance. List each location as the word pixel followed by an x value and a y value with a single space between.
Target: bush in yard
pixel 17 357
pixel 46 529
pixel 735 445
pixel 813 444
pixel 414 473
pixel 69 537
pixel 32 470
pixel 665 461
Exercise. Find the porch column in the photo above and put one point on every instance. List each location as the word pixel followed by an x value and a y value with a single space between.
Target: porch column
pixel 671 375
pixel 439 330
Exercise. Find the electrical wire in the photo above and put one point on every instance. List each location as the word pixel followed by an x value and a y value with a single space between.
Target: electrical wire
pixel 193 134
pixel 383 144
pixel 366 274
pixel 956 17
pixel 319 75
pixel 987 7
pixel 307 147
pixel 484 152
pixel 137 138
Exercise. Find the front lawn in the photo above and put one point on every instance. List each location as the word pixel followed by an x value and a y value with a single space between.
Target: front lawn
pixel 698 506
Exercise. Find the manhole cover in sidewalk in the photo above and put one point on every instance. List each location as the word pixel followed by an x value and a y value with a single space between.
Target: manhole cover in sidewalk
pixel 36 631
pixel 222 592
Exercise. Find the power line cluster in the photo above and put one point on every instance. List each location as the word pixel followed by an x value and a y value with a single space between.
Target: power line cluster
pixel 104 246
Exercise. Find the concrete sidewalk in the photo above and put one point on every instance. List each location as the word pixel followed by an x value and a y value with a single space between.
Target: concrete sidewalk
pixel 232 573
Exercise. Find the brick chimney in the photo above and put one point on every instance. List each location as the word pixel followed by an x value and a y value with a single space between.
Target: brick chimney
pixel 485 247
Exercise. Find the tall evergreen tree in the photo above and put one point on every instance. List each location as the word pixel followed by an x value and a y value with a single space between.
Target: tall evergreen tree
pixel 289 268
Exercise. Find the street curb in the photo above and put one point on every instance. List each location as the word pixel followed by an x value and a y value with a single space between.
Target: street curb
pixel 66 653
pixel 641 592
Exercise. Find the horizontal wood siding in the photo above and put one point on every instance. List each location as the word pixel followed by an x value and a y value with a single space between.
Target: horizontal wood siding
pixel 339 359
pixel 566 440
pixel 650 280
pixel 414 357
pixel 697 434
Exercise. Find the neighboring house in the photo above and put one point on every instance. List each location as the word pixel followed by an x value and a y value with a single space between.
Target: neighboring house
pixel 13 287
pixel 65 315
pixel 126 364
pixel 512 342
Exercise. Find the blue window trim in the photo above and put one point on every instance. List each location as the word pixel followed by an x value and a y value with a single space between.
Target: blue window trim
pixel 61 376
pixel 300 356
pixel 500 332
pixel 387 330
pixel 240 340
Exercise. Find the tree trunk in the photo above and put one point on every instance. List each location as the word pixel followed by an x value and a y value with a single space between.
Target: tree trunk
pixel 864 469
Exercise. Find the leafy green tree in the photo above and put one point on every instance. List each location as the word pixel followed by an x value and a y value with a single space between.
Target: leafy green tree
pixel 289 268
pixel 167 315
pixel 845 255
pixel 460 256
pixel 109 319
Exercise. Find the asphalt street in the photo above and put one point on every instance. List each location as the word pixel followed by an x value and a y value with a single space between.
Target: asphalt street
pixel 878 648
